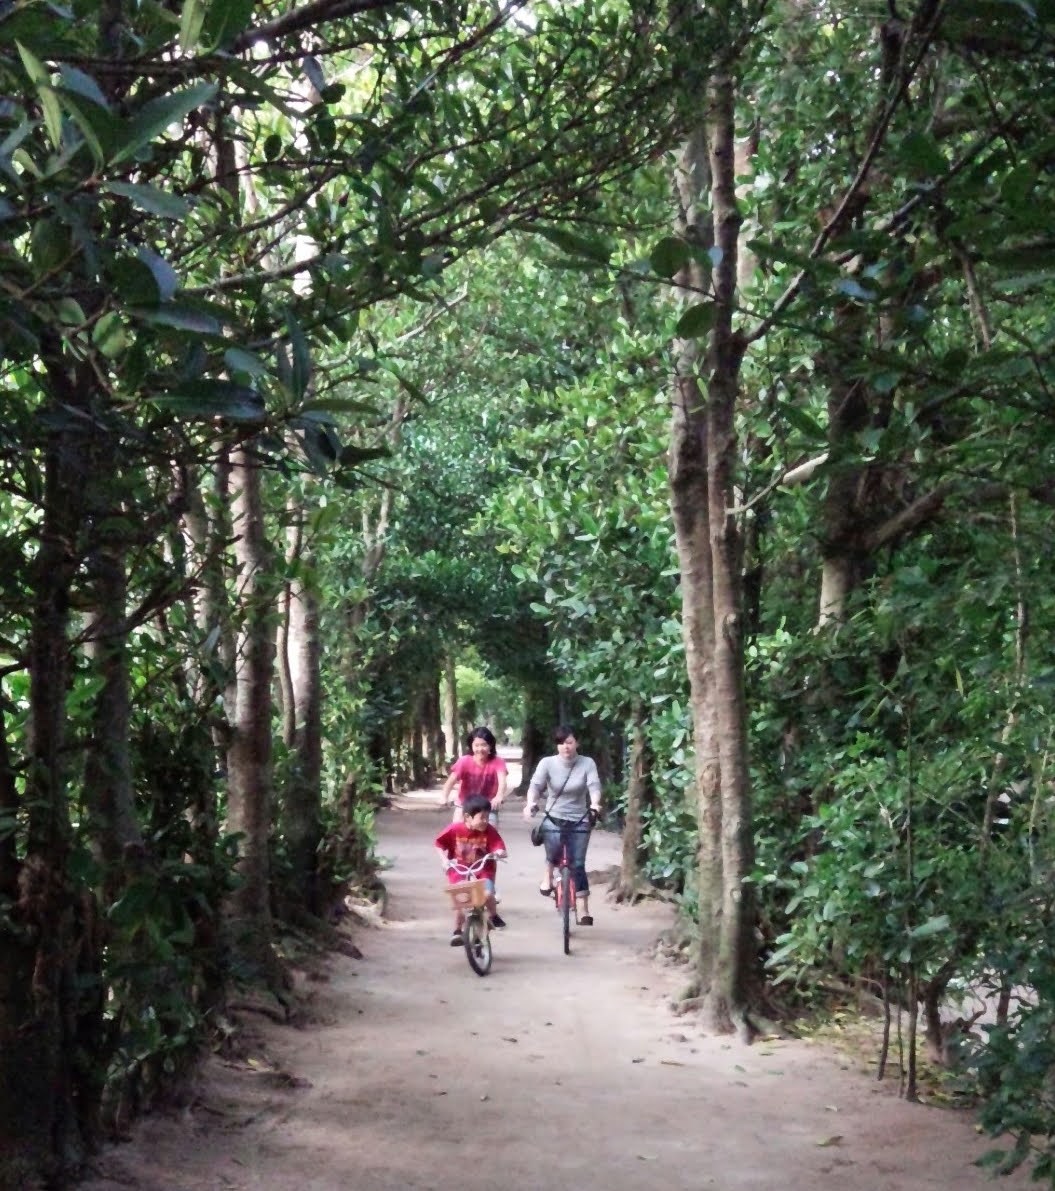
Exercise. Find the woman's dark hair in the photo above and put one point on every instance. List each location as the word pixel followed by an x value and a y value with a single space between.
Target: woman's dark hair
pixel 474 804
pixel 561 733
pixel 486 735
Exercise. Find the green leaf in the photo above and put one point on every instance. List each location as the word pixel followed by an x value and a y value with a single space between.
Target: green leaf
pixel 215 399
pixel 163 273
pixel 152 120
pixel 801 421
pixel 590 247
pixel 96 125
pixel 854 289
pixel 921 154
pixel 224 21
pixel 49 244
pixel 338 405
pixel 134 282
pixel 351 456
pixel 77 82
pixel 933 926
pixel 301 370
pixel 669 255
pixel 109 335
pixel 181 318
pixel 696 321
pixel 150 199
pixel 191 21
pixel 49 104
pixel 240 360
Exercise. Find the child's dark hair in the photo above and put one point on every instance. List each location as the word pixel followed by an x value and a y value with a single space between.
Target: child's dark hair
pixel 474 804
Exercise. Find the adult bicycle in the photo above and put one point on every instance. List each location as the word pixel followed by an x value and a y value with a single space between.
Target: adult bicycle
pixel 470 896
pixel 564 888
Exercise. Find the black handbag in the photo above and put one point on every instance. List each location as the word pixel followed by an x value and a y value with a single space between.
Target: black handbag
pixel 536 831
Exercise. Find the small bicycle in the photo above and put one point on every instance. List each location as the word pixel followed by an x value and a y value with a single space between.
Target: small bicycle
pixel 563 890
pixel 470 896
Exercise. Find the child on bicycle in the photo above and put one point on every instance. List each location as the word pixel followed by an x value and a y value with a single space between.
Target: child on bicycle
pixel 467 842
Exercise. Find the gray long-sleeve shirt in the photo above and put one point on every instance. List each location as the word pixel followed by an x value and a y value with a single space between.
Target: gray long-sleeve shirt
pixel 573 801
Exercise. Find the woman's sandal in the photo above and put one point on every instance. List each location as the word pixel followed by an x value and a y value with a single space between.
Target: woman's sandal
pixel 546 892
pixel 586 920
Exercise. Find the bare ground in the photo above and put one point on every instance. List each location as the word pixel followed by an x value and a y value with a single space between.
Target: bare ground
pixel 406 1070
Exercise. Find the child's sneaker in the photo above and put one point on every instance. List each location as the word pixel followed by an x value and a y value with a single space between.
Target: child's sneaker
pixel 457 940
pixel 497 922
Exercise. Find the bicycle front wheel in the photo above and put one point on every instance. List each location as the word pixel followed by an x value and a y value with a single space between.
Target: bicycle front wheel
pixel 567 894
pixel 477 944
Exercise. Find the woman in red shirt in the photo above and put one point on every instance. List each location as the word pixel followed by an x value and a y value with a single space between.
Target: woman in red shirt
pixel 481 771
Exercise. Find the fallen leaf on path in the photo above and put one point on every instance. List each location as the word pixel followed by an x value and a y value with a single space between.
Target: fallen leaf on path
pixel 510 1039
pixel 831 1107
pixel 641 1060
pixel 670 1063
pixel 646 1157
pixel 485 1096
pixel 831 1141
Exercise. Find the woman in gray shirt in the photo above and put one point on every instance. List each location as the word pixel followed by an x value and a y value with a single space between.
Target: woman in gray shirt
pixel 572 789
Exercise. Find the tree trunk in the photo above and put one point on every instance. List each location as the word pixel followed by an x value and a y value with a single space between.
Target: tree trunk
pixel 108 788
pixel 630 883
pixel 40 1134
pixel 248 912
pixel 691 515
pixel 302 804
pixel 451 742
pixel 702 477
pixel 736 958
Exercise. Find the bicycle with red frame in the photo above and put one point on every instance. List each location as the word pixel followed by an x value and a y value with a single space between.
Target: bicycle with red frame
pixel 564 889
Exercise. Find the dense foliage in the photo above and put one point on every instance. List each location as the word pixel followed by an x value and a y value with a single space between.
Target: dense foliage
pixel 356 321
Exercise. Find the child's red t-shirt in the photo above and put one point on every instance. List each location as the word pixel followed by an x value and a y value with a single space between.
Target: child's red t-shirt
pixel 466 846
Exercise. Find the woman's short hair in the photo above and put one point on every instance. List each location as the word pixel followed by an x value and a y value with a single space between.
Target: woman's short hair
pixel 487 736
pixel 561 733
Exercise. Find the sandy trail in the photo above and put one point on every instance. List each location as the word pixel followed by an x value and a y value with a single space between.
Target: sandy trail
pixel 415 1073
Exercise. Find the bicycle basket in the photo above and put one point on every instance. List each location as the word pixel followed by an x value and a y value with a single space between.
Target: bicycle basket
pixel 467 894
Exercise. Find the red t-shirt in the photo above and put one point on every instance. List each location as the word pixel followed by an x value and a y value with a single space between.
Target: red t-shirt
pixel 478 779
pixel 466 846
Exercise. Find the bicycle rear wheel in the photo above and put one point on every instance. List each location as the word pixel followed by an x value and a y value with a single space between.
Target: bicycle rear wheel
pixel 477 944
pixel 566 896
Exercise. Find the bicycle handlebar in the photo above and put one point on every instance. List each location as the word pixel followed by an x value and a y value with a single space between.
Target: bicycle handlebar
pixel 471 870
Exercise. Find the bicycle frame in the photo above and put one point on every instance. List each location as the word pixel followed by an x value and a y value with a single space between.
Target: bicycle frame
pixel 470 896
pixel 564 893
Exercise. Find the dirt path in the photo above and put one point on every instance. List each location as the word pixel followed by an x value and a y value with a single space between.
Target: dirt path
pixel 416 1073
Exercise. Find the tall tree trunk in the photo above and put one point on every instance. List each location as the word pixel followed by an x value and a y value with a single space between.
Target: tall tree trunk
pixel 302 801
pixel 40 1134
pixel 691 515
pixel 451 742
pixel 730 991
pixel 702 461
pixel 629 885
pixel 108 788
pixel 249 780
